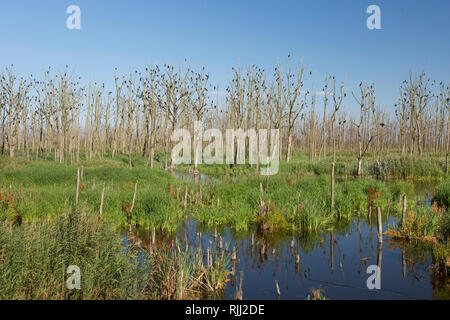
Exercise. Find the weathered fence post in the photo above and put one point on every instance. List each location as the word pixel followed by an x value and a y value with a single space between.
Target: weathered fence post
pixel 101 204
pixel 404 211
pixel 132 206
pixel 78 186
pixel 153 236
pixel 185 198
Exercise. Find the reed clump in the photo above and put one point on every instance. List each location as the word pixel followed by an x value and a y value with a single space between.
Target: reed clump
pixel 188 274
pixel 316 294
pixel 421 224
pixel 442 196
pixel 34 258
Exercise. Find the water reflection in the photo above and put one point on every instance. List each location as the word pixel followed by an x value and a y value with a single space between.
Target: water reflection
pixel 335 260
pixel 190 177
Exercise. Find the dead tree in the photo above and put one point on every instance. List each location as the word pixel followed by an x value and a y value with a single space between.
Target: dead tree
pixel 291 91
pixel 199 103
pixel 363 145
pixel 337 101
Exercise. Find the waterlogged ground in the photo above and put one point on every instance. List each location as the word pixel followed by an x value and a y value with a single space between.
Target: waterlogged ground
pixel 335 261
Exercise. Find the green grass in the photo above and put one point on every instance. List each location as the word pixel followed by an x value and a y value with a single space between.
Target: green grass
pixel 40 236
pixel 298 197
pixel 42 188
pixel 294 203
pixel 394 165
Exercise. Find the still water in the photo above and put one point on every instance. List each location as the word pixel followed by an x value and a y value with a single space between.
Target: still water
pixel 335 261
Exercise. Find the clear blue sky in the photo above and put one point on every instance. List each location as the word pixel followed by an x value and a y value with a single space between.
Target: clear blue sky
pixel 330 35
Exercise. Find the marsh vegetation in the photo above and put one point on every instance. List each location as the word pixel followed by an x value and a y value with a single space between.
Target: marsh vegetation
pixel 86 178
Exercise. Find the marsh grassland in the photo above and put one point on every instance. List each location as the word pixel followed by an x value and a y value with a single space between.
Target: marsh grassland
pixel 189 236
pixel 88 177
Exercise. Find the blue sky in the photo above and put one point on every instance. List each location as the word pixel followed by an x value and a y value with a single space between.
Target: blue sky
pixel 331 36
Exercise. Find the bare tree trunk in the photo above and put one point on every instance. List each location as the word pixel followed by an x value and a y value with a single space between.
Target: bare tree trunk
pixel 289 147
pixel 359 163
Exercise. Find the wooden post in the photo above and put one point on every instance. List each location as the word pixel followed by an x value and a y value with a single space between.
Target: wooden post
pixel 153 236
pixel 263 209
pixel 101 204
pixel 78 186
pixel 132 206
pixel 380 226
pixel 185 198
pixel 404 211
pixel 261 201
pixel 134 197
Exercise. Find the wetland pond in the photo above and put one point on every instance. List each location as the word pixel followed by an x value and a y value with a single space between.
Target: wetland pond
pixel 336 261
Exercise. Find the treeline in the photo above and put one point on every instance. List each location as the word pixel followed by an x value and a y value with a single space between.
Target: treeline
pixel 57 117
